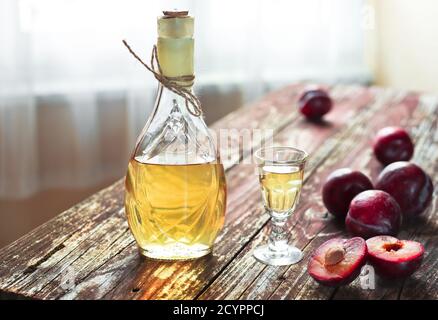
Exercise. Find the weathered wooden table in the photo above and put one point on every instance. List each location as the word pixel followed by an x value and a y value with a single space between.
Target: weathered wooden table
pixel 87 252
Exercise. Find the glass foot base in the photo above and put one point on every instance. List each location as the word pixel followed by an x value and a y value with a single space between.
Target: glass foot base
pixel 175 251
pixel 290 255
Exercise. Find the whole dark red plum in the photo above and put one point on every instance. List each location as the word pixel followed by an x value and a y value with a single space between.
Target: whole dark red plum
pixel 410 186
pixel 372 213
pixel 314 104
pixel 393 144
pixel 341 186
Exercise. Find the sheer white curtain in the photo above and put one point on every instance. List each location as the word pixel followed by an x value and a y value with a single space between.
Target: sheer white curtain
pixel 63 70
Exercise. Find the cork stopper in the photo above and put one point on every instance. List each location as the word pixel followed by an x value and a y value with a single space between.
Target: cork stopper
pixel 175 44
pixel 175 24
pixel 175 14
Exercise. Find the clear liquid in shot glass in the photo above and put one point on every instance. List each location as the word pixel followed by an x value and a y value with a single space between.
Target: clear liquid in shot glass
pixel 281 187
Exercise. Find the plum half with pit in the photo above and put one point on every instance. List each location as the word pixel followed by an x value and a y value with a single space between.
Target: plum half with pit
pixel 393 144
pixel 394 258
pixel 315 103
pixel 372 213
pixel 341 186
pixel 410 186
pixel 338 261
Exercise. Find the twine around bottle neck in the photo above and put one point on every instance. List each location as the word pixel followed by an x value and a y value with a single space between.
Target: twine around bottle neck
pixel 174 84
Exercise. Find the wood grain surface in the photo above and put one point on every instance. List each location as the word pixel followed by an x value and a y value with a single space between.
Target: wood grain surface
pixel 87 252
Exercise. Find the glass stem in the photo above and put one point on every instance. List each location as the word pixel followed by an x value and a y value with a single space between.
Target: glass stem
pixel 278 235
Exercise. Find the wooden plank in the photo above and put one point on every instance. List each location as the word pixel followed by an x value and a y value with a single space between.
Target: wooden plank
pixel 411 117
pixel 423 284
pixel 34 253
pixel 247 279
pixel 52 242
pixel 42 255
pixel 95 280
pixel 247 190
pixel 103 259
pixel 243 271
pixel 244 219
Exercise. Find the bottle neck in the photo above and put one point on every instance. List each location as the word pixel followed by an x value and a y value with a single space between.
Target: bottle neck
pixel 176 58
pixel 168 101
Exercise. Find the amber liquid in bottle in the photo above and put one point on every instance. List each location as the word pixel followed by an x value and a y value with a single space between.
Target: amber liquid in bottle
pixel 175 211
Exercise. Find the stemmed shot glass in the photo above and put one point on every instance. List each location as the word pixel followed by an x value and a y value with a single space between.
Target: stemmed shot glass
pixel 281 171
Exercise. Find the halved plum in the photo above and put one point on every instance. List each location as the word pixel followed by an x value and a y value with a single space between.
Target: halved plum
pixel 338 261
pixel 394 258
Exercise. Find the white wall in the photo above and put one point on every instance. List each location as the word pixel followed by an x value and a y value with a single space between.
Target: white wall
pixel 404 49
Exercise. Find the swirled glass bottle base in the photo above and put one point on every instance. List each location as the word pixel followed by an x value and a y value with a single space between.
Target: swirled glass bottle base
pixel 175 212
pixel 175 251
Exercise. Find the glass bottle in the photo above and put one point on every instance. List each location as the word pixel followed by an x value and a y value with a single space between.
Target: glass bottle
pixel 175 195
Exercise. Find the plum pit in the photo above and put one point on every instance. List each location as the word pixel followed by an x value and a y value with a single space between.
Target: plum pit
pixel 334 255
pixel 393 246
